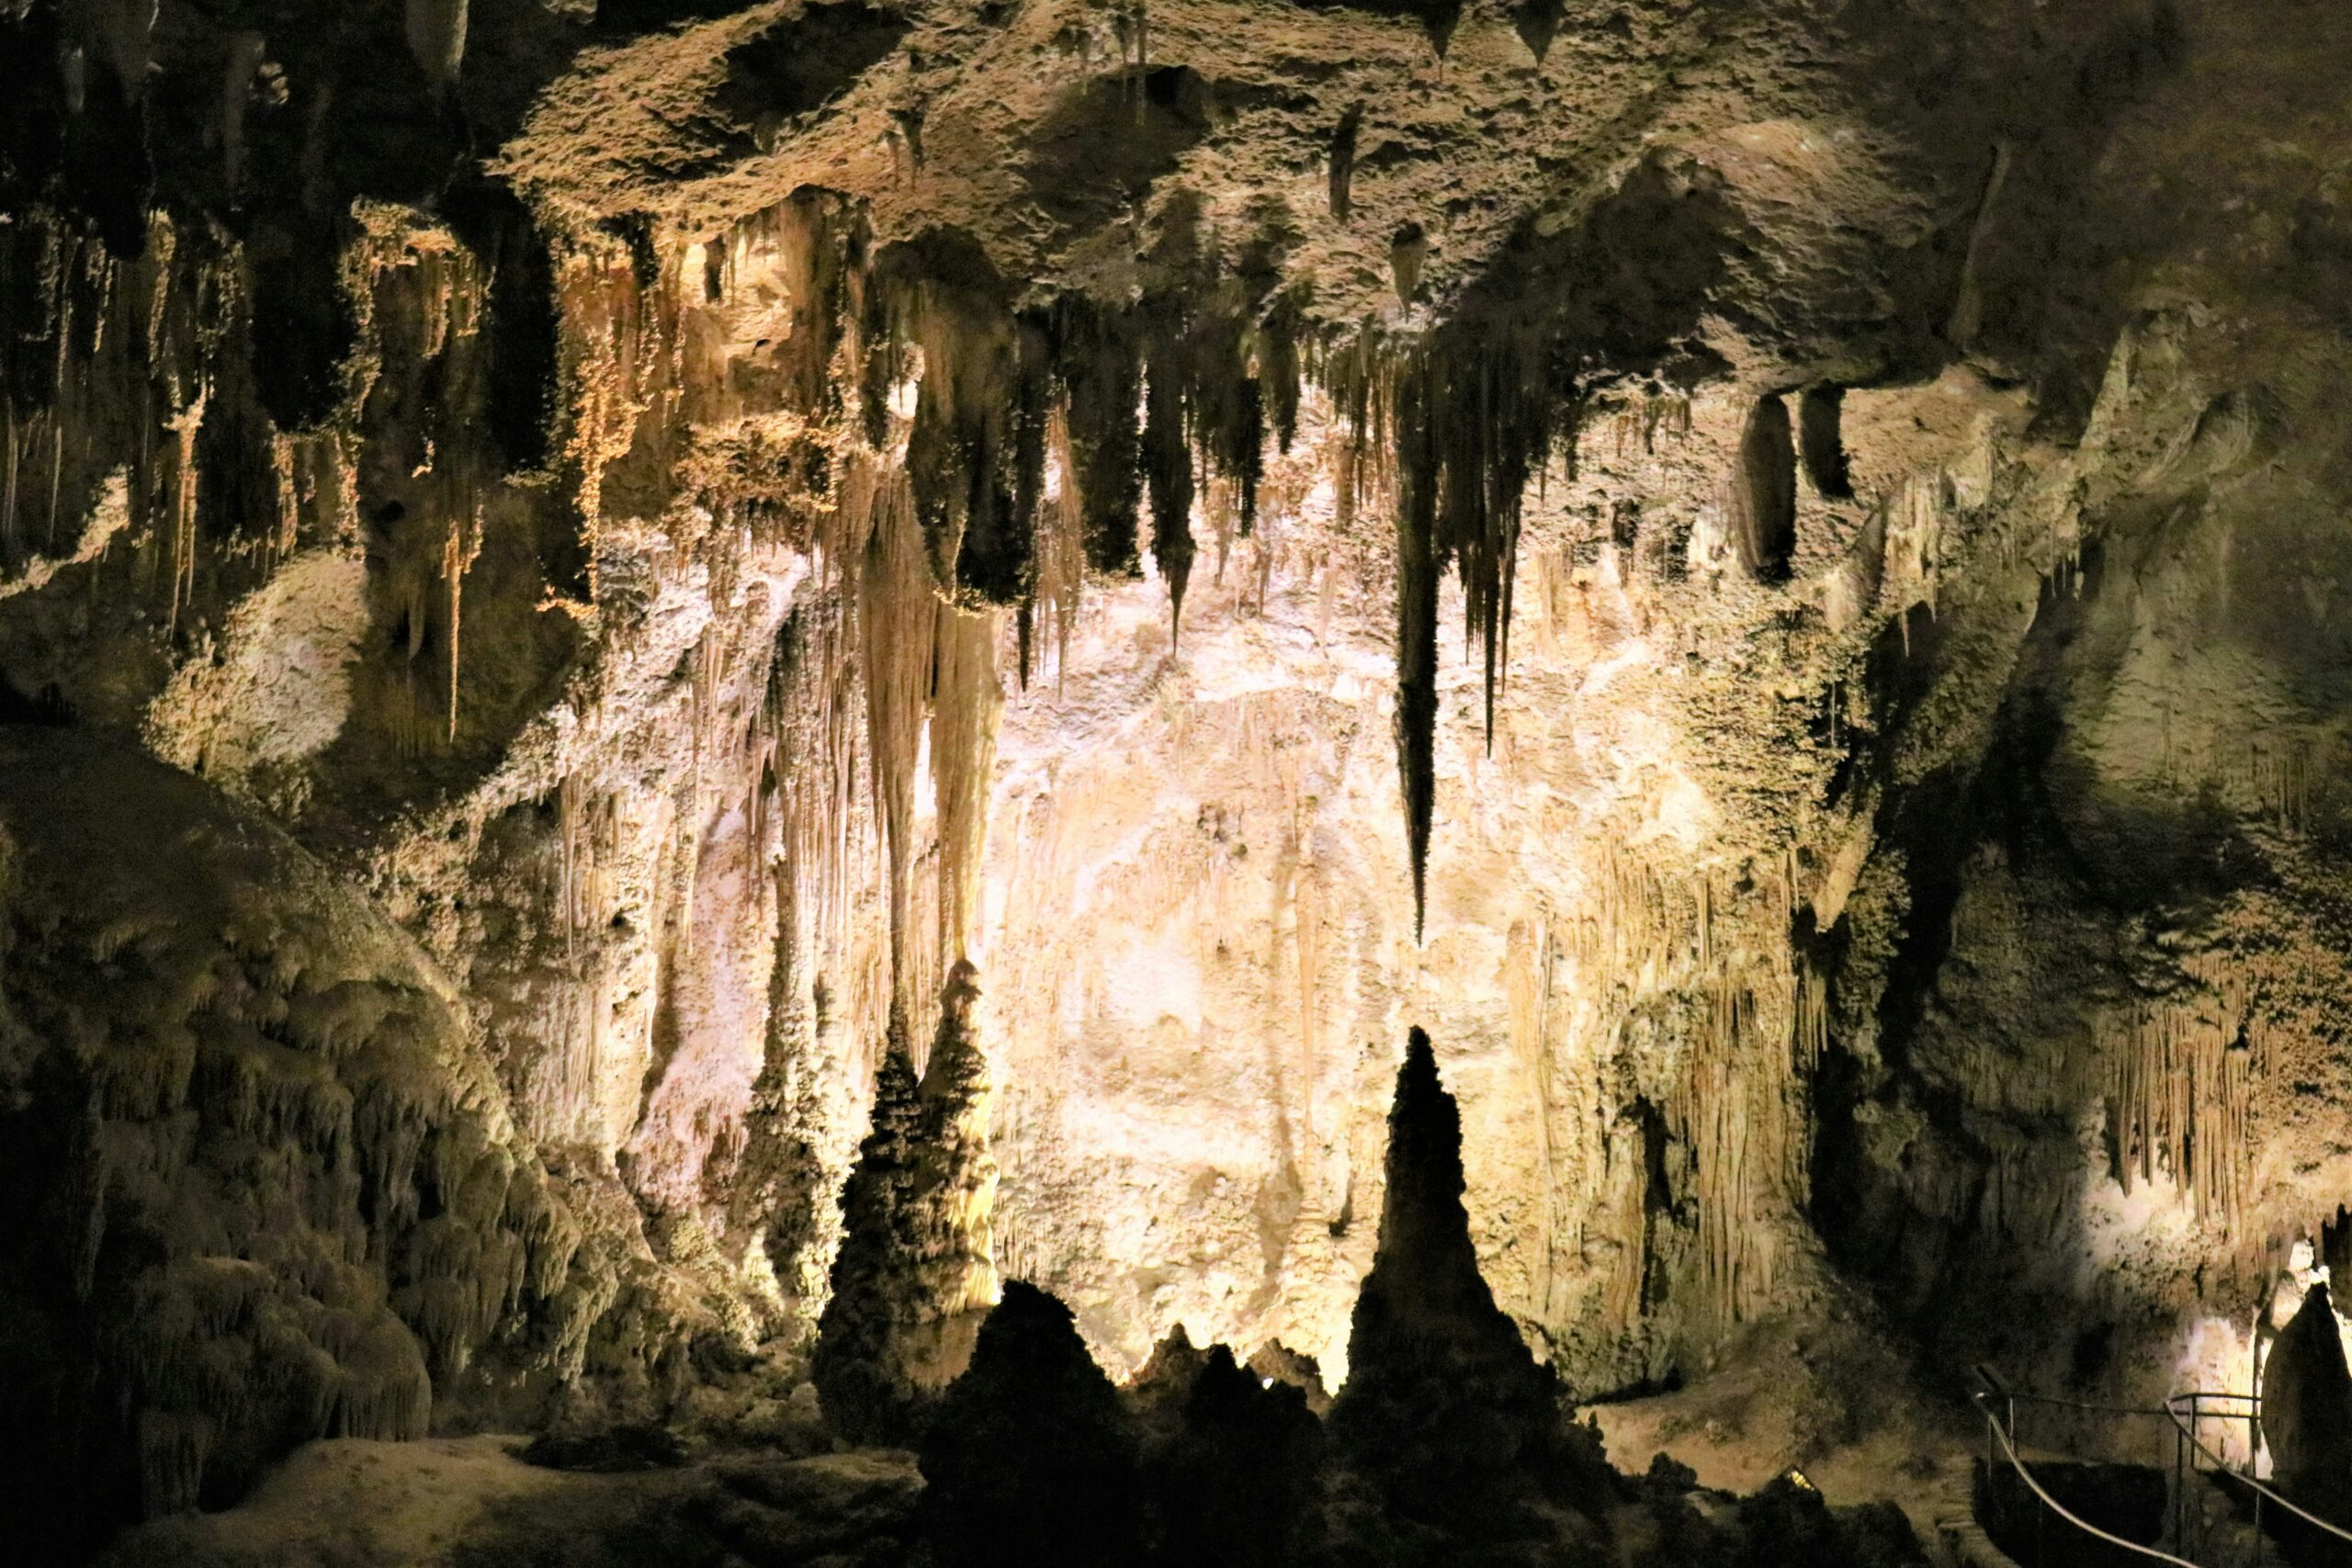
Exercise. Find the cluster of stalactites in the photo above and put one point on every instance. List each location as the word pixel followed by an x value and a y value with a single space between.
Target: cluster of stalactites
pixel 107 376
pixel 1131 403
pixel 2181 1073
pixel 139 439
pixel 1140 403
pixel 1458 423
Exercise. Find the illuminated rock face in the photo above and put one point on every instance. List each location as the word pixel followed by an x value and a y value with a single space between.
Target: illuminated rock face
pixel 848 491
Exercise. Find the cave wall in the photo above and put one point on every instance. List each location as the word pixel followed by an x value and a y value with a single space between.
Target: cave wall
pixel 704 516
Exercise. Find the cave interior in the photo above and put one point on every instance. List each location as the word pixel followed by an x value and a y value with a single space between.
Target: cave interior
pixel 905 784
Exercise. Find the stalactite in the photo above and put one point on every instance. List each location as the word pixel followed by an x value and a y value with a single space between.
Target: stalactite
pixel 617 362
pixel 976 452
pixel 816 702
pixel 962 760
pixel 1465 420
pixel 1101 372
pixel 436 38
pixel 1062 546
pixel 1417 592
pixel 1342 171
pixel 896 610
pixel 1168 462
pixel 2180 1077
pixel 588 836
pixel 181 517
pixel 115 381
pixel 1730 1106
pixel 1751 1017
pixel 1763 494
pixel 1810 1035
pixel 458 553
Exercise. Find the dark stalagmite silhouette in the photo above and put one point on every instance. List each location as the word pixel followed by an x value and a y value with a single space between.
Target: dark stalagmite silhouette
pixel 1028 1458
pixel 2307 1409
pixel 1446 1414
pixel 1231 1467
pixel 864 1392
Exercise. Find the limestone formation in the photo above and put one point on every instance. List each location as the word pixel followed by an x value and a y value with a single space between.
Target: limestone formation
pixel 913 1279
pixel 1770 573
pixel 271 1191
pixel 1445 1413
pixel 2307 1408
pixel 859 1363
pixel 1029 1457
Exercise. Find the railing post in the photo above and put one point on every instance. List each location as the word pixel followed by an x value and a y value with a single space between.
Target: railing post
pixel 2254 1431
pixel 2179 1500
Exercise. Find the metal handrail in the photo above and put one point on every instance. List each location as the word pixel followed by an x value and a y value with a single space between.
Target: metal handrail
pixel 2009 1447
pixel 2194 1399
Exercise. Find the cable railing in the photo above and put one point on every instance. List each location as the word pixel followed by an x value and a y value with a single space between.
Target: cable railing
pixel 2188 1415
pixel 2002 1434
pixel 2187 1419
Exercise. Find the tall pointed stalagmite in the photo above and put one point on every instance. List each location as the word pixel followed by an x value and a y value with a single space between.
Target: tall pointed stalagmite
pixel 914 1277
pixel 1446 1413
pixel 858 1367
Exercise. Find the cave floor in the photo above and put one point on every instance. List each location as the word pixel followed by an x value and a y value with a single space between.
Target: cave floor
pixel 472 1501
pixel 1823 1404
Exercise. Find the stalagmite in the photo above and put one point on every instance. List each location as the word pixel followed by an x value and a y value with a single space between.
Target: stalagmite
pixel 2307 1409
pixel 1428 1342
pixel 913 1276
pixel 857 1365
pixel 1030 1458
pixel 957 1179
